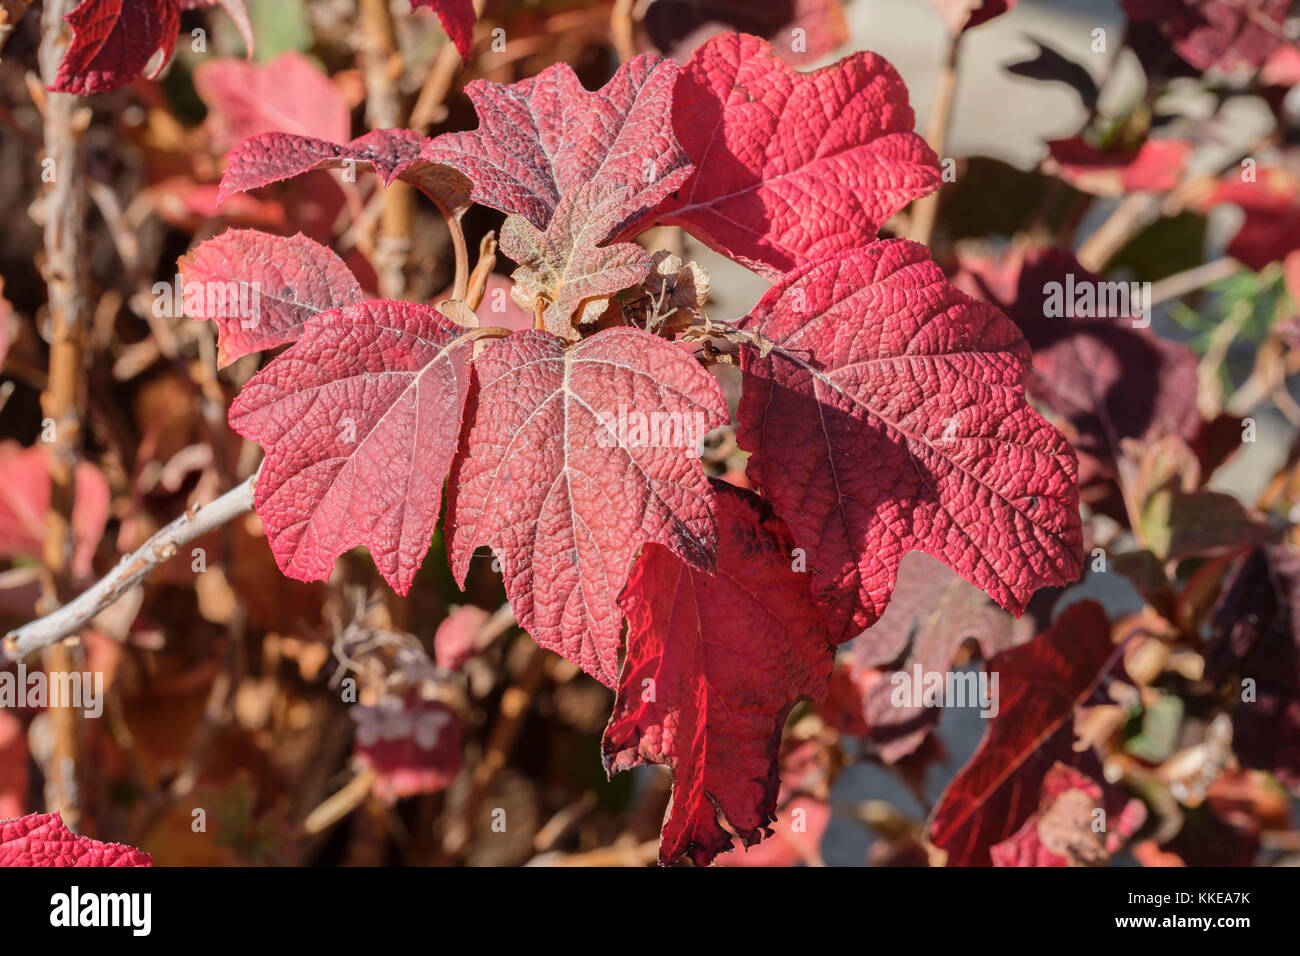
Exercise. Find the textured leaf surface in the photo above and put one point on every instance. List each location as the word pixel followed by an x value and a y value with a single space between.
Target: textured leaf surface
pixel 112 42
pixel 289 94
pixel 889 417
pixel 715 661
pixel 41 839
pixel 564 495
pixel 770 144
pixel 456 17
pixel 359 420
pixel 931 614
pixel 261 289
pixel 1040 684
pixel 543 137
pixel 392 153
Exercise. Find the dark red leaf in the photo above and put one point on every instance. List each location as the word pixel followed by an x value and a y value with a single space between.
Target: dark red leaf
pixel 769 144
pixel 890 417
pixel 359 420
pixel 392 153
pixel 714 663
pixel 113 41
pixel 41 839
pixel 1108 376
pixel 412 744
pixel 1040 684
pixel 456 17
pixel 1222 33
pixel 565 474
pixel 1255 637
pixel 262 289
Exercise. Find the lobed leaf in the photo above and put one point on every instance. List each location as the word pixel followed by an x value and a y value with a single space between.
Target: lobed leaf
pixel 555 478
pixel 888 416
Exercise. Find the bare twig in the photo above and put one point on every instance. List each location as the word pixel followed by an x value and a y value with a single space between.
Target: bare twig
pixel 926 209
pixel 195 523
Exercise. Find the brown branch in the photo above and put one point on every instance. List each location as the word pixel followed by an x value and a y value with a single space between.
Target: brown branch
pixel 64 211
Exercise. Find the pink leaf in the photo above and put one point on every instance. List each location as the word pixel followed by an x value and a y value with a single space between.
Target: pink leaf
pixel 457 18
pixel 359 420
pixel 41 839
pixel 25 497
pixel 565 474
pixel 890 417
pixel 770 145
pixel 392 153
pixel 113 40
pixel 261 289
pixel 543 137
pixel 1156 166
pixel 715 661
pixel 288 95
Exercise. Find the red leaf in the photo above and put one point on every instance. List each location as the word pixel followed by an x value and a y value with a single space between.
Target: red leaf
pixel 457 18
pixel 25 497
pixel 113 40
pixel 359 421
pixel 678 27
pixel 714 663
pixel 767 142
pixel 41 839
pixel 1061 832
pixel 457 637
pixel 1108 378
pixel 1271 203
pixel 392 153
pixel 542 138
pixel 565 475
pixel 1223 33
pixel 288 95
pixel 412 744
pixel 261 289
pixel 1156 166
pixel 1041 683
pixel 962 15
pixel 890 417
